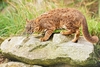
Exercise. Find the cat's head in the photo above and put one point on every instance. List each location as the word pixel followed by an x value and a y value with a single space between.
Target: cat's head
pixel 31 26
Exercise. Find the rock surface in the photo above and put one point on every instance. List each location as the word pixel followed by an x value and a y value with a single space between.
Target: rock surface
pixel 17 64
pixel 58 50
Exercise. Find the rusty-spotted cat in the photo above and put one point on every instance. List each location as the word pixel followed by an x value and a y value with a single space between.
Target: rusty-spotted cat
pixel 68 18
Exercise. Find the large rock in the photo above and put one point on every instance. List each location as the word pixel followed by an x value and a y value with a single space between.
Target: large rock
pixel 59 50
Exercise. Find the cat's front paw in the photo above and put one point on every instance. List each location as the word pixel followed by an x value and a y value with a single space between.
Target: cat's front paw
pixel 42 39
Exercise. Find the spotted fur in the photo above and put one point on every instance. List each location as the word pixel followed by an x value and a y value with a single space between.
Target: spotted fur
pixel 70 19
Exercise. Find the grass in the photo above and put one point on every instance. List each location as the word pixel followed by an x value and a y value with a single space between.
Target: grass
pixel 12 21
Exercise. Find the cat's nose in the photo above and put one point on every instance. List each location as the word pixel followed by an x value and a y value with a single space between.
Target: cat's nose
pixel 28 32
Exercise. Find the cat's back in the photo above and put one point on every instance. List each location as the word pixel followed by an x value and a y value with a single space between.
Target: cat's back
pixel 56 15
pixel 63 12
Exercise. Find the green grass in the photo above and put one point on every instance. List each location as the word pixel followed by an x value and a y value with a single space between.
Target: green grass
pixel 12 22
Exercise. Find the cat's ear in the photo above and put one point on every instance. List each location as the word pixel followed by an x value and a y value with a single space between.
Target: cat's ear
pixel 27 20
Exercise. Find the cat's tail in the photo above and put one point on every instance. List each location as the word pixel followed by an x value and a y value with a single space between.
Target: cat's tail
pixel 92 39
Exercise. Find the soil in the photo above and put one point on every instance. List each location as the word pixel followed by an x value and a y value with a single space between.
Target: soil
pixel 3 59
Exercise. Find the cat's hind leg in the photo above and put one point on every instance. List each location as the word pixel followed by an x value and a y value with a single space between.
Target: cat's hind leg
pixel 68 32
pixel 76 37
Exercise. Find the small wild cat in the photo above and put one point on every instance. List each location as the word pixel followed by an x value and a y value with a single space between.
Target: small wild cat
pixel 69 19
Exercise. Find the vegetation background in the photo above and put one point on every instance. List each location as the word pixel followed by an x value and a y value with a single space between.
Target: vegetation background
pixel 14 12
